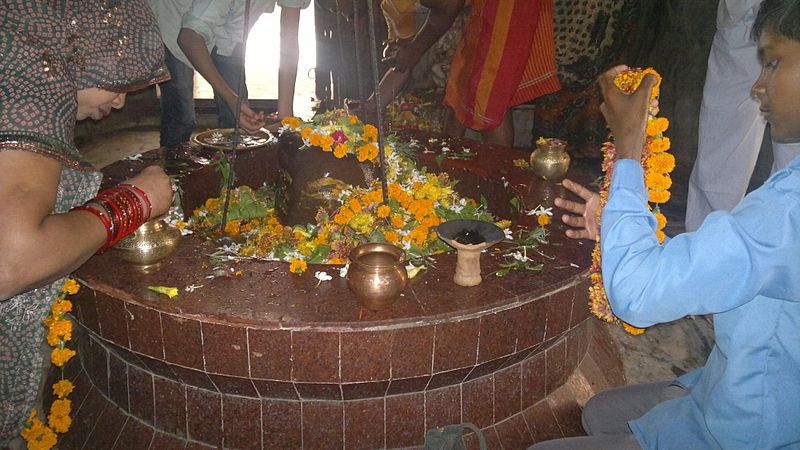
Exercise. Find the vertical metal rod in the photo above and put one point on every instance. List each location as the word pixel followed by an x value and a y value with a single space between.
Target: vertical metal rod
pixel 231 158
pixel 337 87
pixel 376 90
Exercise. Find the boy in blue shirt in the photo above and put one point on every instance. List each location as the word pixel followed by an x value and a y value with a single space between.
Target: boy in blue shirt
pixel 742 266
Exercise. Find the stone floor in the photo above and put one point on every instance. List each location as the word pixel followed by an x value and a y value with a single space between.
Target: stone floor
pixel 663 352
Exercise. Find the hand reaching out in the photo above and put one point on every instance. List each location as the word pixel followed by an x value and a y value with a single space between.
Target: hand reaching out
pixel 584 218
pixel 249 120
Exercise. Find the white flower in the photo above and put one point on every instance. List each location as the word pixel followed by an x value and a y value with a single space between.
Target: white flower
pixel 445 149
pixel 343 270
pixel 519 256
pixel 322 276
pixel 508 234
pixel 540 211
pixel 136 157
pixel 192 287
pixel 231 248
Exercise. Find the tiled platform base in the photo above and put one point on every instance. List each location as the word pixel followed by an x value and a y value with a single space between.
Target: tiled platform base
pixel 155 412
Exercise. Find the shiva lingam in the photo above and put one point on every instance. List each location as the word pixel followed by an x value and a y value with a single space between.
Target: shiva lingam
pixel 377 274
pixel 469 238
pixel 149 244
pixel 550 160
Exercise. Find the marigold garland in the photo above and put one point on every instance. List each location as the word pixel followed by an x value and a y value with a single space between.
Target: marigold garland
pixel 37 434
pixel 657 165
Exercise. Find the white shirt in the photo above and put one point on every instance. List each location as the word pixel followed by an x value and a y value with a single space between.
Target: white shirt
pixel 730 12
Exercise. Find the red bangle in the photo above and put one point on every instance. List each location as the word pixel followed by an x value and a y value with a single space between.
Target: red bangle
pixel 106 223
pixel 144 196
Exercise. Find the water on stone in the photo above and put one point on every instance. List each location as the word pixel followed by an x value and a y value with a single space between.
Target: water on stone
pixel 469 237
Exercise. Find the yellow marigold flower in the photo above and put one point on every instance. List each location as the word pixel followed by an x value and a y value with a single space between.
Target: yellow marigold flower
pixel 232 228
pixel 326 143
pixel 657 126
pixel 661 236
pixel 661 219
pixel 353 119
pixel 297 266
pixel 383 211
pixel 335 260
pixel 397 221
pixel 341 150
pixel 543 220
pixel 503 224
pixel 661 162
pixel 370 133
pixel 658 181
pixel 391 236
pixel 522 163
pixel 70 287
pixel 60 356
pixel 61 328
pixel 658 196
pixel 660 145
pixel 291 122
pixel 632 329
pixel 61 407
pixel 212 204
pixel 306 133
pixel 62 388
pixel 59 307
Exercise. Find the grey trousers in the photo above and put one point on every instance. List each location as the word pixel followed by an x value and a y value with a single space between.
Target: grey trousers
pixel 606 415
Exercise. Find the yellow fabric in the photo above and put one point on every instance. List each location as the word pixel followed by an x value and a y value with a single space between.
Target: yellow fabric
pixel 400 18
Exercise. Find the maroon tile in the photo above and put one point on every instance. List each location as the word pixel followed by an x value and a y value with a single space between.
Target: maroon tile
pixel 204 416
pixel 556 360
pixel 580 304
pixel 477 401
pixel 163 441
pixel 541 422
pixel 118 381
pixel 170 399
pixel 275 389
pixel 577 342
pixel 486 368
pixel 455 345
pixel 366 355
pixel 281 423
pixel 82 387
pixel 412 352
pixel 559 310
pixel 129 356
pixel 354 391
pixel 144 330
pixel 605 354
pixel 108 427
pixel 530 321
pixel 513 433
pixel 270 354
pixel 241 422
pixel 471 442
pixel 442 407
pixel 158 367
pixel 568 414
pixel 533 379
pixel 507 395
pixel 319 391
pixel 182 342
pixel 225 349
pixel 448 378
pixel 405 420
pixel 323 424
pixel 363 424
pixel 197 446
pixel 135 434
pixel 111 314
pixel 316 356
pixel 234 385
pixel 406 385
pixel 84 419
pixel 86 309
pixel 96 362
pixel 492 439
pixel 497 336
pixel 194 378
pixel 140 392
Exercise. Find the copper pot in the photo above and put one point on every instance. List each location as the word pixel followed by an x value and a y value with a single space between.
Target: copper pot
pixel 377 274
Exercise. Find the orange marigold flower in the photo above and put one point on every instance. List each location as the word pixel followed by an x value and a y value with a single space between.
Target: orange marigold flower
pixel 62 388
pixel 660 145
pixel 543 220
pixel 658 196
pixel 383 211
pixel 341 150
pixel 232 228
pixel 657 126
pixel 297 266
pixel 60 307
pixel 70 287
pixel 661 162
pixel 326 142
pixel 661 219
pixel 306 133
pixel 60 356
pixel 391 236
pixel 397 221
pixel 658 181
pixel 291 122
pixel 354 205
pixel 370 133
pixel 632 329
pixel 353 119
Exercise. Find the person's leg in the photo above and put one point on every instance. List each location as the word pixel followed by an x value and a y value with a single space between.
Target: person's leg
pixel 177 103
pixel 609 411
pixel 503 134
pixel 609 442
pixel 230 67
pixel 452 127
pixel 731 127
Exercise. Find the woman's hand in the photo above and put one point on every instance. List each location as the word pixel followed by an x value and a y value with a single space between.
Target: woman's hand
pixel 626 114
pixel 249 120
pixel 156 184
pixel 584 215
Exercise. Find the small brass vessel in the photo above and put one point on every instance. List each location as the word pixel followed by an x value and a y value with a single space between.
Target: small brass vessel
pixel 377 274
pixel 550 160
pixel 149 244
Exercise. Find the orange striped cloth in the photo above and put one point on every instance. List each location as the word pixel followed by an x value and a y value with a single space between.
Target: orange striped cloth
pixel 506 57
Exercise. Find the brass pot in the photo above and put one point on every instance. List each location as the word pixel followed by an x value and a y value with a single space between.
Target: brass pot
pixel 149 244
pixel 377 274
pixel 550 160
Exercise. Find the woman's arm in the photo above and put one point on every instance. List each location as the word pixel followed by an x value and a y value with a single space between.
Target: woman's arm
pixel 37 246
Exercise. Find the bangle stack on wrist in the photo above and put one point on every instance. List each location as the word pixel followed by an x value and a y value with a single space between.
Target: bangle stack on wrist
pixel 122 210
